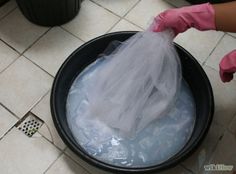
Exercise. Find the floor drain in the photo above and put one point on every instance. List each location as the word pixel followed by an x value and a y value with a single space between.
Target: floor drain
pixel 30 124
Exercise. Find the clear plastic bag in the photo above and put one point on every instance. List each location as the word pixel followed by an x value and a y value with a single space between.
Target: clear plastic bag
pixel 156 143
pixel 131 107
pixel 138 84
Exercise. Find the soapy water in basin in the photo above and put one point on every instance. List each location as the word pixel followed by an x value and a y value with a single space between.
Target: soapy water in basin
pixel 155 144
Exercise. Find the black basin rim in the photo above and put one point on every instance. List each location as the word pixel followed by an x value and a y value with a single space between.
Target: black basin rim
pixel 80 152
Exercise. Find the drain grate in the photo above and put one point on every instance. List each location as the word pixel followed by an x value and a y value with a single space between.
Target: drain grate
pixel 30 124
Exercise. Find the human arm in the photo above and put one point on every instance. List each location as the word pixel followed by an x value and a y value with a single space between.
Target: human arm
pixel 225 16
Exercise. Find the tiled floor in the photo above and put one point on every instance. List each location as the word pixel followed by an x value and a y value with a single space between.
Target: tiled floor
pixel 30 56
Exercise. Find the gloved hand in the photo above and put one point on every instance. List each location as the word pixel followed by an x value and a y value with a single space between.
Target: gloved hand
pixel 228 66
pixel 201 17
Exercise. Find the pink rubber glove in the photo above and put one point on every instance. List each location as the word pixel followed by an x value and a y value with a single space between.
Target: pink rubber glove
pixel 228 66
pixel 201 17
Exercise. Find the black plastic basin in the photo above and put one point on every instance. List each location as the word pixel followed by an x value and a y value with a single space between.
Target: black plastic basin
pixel 86 54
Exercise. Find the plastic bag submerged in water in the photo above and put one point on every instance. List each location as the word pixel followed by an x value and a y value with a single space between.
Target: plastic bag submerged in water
pixel 138 83
pixel 155 144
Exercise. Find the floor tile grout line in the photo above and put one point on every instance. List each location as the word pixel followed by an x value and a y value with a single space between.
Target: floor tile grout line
pixel 39 67
pixel 22 54
pixel 62 150
pixel 29 110
pixel 4 16
pixel 76 161
pixel 231 35
pixel 135 4
pixel 133 23
pixel 52 163
pixel 10 46
pixel 50 133
pixel 120 18
pixel 10 64
pixel 41 36
pixel 123 17
pixel 71 33
pixel 231 120
pixel 44 33
pixel 39 100
pixel 6 108
pixel 131 8
pixel 9 130
pixel 105 8
pixel 18 117
pixel 36 103
pixel 189 170
pixel 45 138
pixel 11 126
pixel 58 148
pixel 113 26
pixel 204 62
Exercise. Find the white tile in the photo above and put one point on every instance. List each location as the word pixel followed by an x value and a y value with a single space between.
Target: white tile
pixel 203 153
pixel 65 165
pixel 120 7
pixel 7 120
pixel 18 32
pixel 225 97
pixel 52 49
pixel 22 85
pixel 91 22
pixel 6 8
pixel 232 126
pixel 225 153
pixel 88 167
pixel 145 11
pixel 199 43
pixel 124 25
pixel 42 110
pixel 7 55
pixel 232 34
pixel 226 45
pixel 20 154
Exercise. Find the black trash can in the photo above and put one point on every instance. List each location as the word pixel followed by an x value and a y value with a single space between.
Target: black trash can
pixel 49 12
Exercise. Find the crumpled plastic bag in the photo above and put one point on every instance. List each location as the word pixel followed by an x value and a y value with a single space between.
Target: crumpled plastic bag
pixel 138 83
